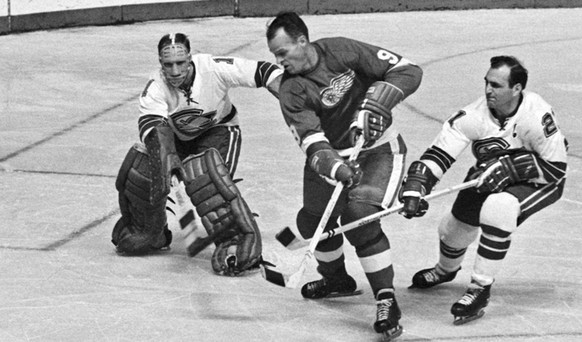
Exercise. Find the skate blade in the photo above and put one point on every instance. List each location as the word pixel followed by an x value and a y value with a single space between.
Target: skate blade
pixel 393 333
pixel 343 294
pixel 459 320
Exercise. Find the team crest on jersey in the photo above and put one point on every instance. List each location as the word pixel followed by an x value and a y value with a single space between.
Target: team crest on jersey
pixel 192 120
pixel 486 148
pixel 338 87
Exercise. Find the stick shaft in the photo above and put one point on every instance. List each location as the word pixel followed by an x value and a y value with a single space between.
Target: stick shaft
pixel 332 201
pixel 295 278
pixel 386 212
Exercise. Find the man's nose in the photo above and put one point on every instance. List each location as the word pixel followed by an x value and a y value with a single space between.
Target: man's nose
pixel 175 70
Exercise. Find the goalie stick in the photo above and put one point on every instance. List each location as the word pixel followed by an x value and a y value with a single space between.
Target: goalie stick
pixel 291 241
pixel 185 214
pixel 292 280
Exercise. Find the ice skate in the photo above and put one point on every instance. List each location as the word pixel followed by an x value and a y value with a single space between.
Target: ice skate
pixel 387 315
pixel 471 306
pixel 429 277
pixel 330 287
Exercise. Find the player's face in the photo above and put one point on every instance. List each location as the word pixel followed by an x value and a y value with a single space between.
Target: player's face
pixel 175 61
pixel 290 53
pixel 500 96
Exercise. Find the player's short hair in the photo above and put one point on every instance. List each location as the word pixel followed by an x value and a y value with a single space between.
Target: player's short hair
pixel 173 38
pixel 291 23
pixel 517 72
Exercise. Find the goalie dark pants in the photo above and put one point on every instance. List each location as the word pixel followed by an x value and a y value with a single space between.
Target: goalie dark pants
pixel 382 169
pixel 226 139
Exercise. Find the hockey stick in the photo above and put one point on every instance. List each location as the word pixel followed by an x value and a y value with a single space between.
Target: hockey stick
pixel 187 218
pixel 288 239
pixel 292 280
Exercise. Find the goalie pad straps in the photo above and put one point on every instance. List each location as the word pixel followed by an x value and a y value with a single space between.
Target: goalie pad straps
pixel 164 160
pixel 509 169
pixel 223 210
pixel 141 226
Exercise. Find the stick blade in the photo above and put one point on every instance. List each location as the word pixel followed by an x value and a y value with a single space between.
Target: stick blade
pixel 273 276
pixel 199 245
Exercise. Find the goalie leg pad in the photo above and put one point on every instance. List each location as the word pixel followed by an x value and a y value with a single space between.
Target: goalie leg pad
pixel 223 210
pixel 143 225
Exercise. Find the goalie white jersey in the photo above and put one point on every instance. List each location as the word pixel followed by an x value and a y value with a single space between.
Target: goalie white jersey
pixel 532 128
pixel 205 104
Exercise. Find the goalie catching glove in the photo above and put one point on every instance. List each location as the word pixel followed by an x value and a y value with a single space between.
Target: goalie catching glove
pixel 224 213
pixel 496 174
pixel 374 114
pixel 327 162
pixel 418 183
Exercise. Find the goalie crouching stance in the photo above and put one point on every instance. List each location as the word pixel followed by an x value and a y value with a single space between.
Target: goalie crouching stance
pixel 144 182
pixel 190 128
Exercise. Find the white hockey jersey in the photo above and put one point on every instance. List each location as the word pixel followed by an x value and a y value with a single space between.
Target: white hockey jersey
pixel 533 128
pixel 206 103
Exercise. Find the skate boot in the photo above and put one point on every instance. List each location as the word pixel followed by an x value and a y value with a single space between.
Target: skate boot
pixel 429 277
pixel 387 315
pixel 328 287
pixel 471 306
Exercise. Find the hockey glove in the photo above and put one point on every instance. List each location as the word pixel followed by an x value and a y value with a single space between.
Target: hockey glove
pixel 374 114
pixel 418 183
pixel 324 160
pixel 498 173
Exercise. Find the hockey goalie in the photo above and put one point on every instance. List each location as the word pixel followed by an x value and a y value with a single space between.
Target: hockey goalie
pixel 189 128
pixel 144 184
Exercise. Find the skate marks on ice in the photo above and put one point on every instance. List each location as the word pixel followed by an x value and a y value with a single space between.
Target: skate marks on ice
pixel 61 193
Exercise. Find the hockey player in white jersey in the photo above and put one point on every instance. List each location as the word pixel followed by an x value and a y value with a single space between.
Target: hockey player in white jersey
pixel 520 156
pixel 188 127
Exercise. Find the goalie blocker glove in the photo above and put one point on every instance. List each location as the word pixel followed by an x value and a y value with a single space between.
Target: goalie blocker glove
pixel 418 183
pixel 163 160
pixel 374 114
pixel 327 162
pixel 498 173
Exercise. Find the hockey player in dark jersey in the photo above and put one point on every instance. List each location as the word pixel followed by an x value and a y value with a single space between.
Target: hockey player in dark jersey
pixel 333 90
pixel 188 127
pixel 520 156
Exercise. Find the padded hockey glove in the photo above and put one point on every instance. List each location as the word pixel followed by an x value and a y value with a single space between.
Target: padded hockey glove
pixel 496 174
pixel 324 160
pixel 374 114
pixel 418 183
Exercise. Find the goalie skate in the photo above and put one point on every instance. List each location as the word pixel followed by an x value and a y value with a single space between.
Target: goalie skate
pixel 472 305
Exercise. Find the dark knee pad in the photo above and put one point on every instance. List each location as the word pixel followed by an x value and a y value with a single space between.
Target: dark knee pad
pixel 307 223
pixel 356 210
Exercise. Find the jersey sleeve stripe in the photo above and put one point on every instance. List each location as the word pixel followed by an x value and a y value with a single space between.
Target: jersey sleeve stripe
pixel 552 171
pixel 439 156
pixel 146 122
pixel 264 71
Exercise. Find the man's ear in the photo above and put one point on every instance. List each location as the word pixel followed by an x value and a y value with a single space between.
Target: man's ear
pixel 302 40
